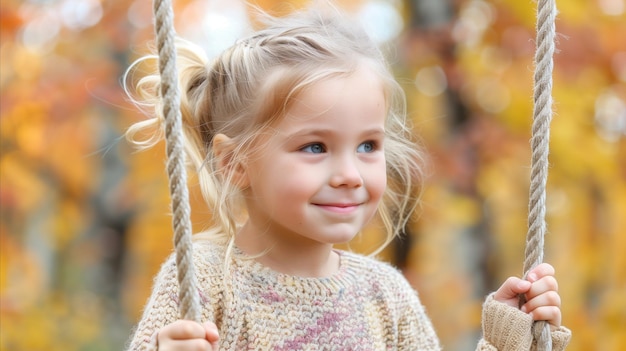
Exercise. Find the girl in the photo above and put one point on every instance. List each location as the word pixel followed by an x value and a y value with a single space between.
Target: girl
pixel 298 136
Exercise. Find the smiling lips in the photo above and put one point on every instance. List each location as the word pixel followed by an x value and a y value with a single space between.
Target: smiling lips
pixel 339 208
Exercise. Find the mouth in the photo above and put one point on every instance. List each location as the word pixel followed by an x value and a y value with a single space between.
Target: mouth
pixel 339 208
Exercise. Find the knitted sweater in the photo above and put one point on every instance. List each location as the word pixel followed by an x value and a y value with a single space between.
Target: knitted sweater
pixel 366 305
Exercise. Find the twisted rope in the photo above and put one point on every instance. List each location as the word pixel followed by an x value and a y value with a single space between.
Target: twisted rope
pixel 542 116
pixel 188 299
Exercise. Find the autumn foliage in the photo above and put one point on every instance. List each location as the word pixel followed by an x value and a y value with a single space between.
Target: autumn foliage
pixel 85 220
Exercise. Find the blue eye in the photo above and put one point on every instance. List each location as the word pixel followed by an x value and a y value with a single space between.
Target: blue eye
pixel 366 147
pixel 314 148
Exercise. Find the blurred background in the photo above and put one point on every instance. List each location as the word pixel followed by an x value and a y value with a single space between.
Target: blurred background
pixel 85 220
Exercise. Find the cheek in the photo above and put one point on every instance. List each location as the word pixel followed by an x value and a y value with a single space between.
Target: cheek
pixel 377 183
pixel 382 184
pixel 296 182
pixel 286 181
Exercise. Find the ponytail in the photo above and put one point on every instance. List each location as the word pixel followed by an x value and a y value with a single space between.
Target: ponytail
pixel 143 90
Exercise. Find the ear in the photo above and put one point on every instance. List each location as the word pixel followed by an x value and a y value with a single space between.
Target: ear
pixel 231 169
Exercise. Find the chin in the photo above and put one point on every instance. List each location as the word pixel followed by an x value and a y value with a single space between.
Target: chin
pixel 342 239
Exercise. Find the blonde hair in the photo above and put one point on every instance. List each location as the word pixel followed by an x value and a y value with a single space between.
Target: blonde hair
pixel 250 86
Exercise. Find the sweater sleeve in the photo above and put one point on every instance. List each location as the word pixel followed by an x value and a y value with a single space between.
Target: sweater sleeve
pixel 508 328
pixel 161 309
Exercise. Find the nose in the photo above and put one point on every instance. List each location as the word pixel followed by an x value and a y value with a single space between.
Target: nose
pixel 346 173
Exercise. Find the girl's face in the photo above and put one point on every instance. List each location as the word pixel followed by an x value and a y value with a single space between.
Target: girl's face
pixel 322 174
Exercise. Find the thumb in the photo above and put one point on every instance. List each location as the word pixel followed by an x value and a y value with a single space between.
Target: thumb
pixel 511 288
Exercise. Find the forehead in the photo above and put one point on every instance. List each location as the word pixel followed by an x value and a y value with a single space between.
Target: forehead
pixel 358 97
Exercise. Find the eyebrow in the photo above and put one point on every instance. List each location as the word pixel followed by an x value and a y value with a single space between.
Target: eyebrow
pixel 326 132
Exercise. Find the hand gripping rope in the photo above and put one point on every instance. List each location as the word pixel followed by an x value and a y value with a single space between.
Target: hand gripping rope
pixel 189 304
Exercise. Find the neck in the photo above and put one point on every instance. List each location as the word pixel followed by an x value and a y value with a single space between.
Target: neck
pixel 303 258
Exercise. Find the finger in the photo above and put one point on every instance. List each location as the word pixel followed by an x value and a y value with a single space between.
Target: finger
pixel 550 314
pixel 550 298
pixel 541 286
pixel 182 329
pixel 212 334
pixel 187 345
pixel 540 271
